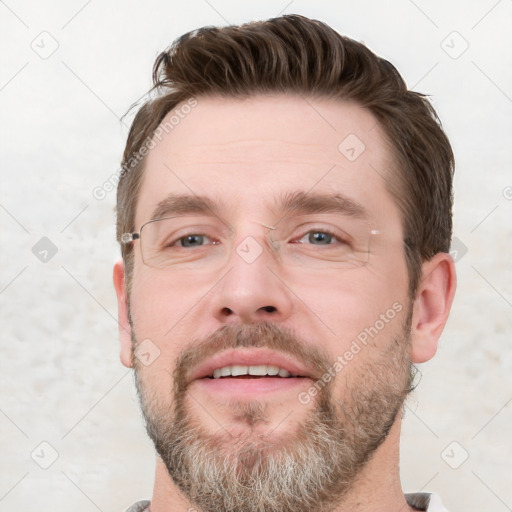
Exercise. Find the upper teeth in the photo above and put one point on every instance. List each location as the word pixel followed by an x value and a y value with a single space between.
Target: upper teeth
pixel 236 370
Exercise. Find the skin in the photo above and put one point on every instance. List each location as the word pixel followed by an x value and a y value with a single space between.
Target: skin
pixel 245 152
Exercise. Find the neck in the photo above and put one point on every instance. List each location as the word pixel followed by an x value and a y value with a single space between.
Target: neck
pixel 377 488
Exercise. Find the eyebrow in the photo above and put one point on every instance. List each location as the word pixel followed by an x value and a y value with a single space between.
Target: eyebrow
pixel 315 202
pixel 286 204
pixel 182 204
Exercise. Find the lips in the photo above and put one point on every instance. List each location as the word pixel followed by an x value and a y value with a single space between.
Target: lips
pixel 250 357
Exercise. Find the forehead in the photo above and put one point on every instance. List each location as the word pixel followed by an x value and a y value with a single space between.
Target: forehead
pixel 243 152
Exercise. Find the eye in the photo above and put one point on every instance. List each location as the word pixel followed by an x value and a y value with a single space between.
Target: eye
pixel 193 240
pixel 319 238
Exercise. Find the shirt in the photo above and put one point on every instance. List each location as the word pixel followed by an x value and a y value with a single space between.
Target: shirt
pixel 421 501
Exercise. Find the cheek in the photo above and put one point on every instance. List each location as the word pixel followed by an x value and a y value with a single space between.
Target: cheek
pixel 163 310
pixel 147 306
pixel 348 301
pixel 160 300
pixel 152 315
pixel 367 316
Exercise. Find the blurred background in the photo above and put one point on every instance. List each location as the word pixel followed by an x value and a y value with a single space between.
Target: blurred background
pixel 70 428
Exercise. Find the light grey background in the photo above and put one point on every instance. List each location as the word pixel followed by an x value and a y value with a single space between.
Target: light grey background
pixel 61 381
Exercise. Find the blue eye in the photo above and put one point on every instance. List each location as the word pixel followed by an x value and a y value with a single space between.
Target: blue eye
pixel 319 238
pixel 192 240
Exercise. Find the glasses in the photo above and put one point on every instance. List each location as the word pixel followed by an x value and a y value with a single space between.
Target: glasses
pixel 200 242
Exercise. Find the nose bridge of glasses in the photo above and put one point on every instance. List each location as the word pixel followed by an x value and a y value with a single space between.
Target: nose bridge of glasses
pixel 252 240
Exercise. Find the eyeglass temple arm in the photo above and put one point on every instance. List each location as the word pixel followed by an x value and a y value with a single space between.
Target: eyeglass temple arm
pixel 126 238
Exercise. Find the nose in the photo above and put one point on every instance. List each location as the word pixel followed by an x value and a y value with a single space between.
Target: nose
pixel 252 289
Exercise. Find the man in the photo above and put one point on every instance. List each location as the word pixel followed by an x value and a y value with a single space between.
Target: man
pixel 284 214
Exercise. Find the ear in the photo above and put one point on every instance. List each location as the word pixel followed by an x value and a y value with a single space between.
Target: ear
pixel 432 306
pixel 125 330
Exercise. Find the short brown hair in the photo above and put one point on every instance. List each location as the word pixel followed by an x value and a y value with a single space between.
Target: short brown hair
pixel 294 54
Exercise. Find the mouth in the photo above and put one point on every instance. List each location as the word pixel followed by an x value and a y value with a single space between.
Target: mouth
pixel 250 373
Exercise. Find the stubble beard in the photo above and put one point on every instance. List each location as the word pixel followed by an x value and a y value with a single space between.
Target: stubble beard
pixel 310 469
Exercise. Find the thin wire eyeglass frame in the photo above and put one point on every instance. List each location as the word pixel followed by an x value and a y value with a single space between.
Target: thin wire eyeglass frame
pixel 127 238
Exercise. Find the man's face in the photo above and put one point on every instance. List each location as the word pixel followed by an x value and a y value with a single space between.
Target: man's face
pixel 266 286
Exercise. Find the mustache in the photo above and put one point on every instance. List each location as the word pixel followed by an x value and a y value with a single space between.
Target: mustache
pixel 261 335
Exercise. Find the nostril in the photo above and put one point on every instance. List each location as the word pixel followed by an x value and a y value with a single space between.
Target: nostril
pixel 227 312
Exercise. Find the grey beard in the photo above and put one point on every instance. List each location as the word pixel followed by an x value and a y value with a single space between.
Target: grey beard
pixel 311 469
